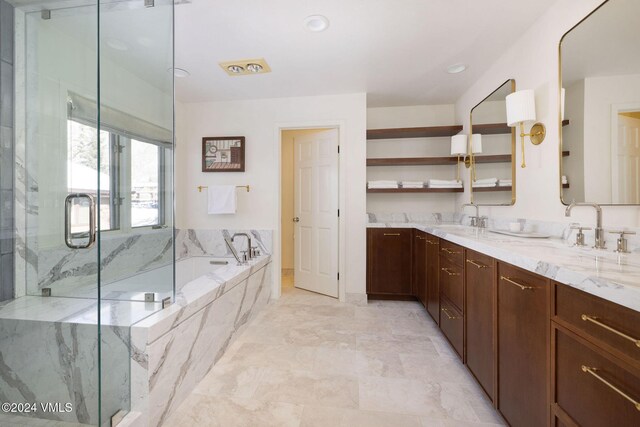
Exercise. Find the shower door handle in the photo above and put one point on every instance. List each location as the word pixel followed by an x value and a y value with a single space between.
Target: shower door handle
pixel 68 235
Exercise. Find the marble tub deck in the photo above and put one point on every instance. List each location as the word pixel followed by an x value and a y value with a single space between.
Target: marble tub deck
pixel 603 273
pixel 308 360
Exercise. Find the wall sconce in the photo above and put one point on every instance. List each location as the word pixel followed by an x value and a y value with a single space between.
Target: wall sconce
pixel 521 108
pixel 476 148
pixel 458 148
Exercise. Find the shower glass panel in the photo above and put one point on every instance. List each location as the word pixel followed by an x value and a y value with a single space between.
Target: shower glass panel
pixel 94 222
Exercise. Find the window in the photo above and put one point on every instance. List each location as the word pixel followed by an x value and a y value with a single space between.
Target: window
pixel 124 164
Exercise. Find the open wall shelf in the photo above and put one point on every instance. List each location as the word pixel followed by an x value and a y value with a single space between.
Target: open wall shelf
pixel 499 128
pixel 422 132
pixel 414 190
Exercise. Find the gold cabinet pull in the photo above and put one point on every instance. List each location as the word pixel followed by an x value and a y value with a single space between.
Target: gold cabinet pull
pixel 592 371
pixel 421 238
pixel 509 280
pixel 477 264
pixel 595 320
pixel 430 242
pixel 391 234
pixel 449 272
pixel 445 311
pixel 449 251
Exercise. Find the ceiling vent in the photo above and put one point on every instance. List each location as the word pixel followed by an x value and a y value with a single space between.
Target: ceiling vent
pixel 245 67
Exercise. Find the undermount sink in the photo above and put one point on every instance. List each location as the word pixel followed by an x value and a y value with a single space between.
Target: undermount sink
pixel 525 234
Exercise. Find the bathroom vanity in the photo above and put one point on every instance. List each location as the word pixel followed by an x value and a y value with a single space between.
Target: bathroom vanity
pixel 551 333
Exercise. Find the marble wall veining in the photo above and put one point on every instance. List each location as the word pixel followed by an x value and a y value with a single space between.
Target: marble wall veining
pixel 6 152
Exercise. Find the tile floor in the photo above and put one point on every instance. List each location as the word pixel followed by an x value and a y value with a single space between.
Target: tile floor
pixel 309 360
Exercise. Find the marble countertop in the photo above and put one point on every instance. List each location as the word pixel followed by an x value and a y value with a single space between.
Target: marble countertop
pixel 604 273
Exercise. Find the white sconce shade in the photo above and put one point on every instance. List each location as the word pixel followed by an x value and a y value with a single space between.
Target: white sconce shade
pixel 459 145
pixel 563 93
pixel 476 143
pixel 521 107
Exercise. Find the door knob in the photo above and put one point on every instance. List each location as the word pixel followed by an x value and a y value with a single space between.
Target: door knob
pixel 296 219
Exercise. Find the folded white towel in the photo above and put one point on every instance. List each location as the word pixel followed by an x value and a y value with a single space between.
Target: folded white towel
pixel 405 183
pixel 445 185
pixel 565 180
pixel 505 182
pixel 383 182
pixel 486 181
pixel 444 182
pixel 475 185
pixel 381 186
pixel 222 199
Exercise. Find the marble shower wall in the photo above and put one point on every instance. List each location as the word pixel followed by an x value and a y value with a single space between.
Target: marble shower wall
pixel 58 362
pixel 7 145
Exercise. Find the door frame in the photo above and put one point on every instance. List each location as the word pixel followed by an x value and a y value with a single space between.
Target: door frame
pixel 276 291
pixel 616 109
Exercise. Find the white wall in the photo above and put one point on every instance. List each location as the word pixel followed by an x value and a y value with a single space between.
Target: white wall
pixel 533 62
pixel 260 122
pixel 411 116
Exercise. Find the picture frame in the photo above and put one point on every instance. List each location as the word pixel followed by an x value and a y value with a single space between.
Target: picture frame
pixel 223 154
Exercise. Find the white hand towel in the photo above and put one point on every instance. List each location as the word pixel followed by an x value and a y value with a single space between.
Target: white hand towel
pixel 475 185
pixel 486 181
pixel 222 199
pixel 444 182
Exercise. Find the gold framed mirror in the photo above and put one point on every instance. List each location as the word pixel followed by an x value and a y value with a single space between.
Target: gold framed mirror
pixel 491 148
pixel 599 108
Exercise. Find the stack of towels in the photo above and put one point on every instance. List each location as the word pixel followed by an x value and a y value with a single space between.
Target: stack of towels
pixel 444 183
pixel 505 183
pixel 485 183
pixel 382 184
pixel 412 184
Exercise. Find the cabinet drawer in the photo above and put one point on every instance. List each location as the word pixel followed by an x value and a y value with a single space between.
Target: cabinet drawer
pixel 452 282
pixel 611 325
pixel 591 388
pixel 452 252
pixel 452 325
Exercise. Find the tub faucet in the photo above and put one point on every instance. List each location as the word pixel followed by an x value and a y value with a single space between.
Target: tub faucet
pixel 599 231
pixel 248 253
pixel 229 243
pixel 475 220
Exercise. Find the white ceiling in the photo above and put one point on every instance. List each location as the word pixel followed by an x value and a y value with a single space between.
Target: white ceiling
pixel 395 50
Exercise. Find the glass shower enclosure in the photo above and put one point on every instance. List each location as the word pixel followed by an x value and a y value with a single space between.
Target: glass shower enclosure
pixel 93 227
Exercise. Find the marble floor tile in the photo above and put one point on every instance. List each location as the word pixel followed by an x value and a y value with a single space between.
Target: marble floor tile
pixel 201 410
pixel 308 360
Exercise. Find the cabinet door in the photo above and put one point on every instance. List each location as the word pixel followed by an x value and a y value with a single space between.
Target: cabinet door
pixel 433 277
pixel 420 266
pixel 389 260
pixel 479 319
pixel 523 337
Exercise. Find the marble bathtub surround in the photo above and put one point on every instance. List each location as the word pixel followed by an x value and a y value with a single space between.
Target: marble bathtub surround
pixel 177 347
pixel 191 242
pixel 614 277
pixel 309 360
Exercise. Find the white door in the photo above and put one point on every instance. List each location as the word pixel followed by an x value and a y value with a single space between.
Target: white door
pixel 316 212
pixel 626 158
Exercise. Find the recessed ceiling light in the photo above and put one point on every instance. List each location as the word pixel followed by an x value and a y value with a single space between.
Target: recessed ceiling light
pixel 456 68
pixel 316 23
pixel 117 44
pixel 179 72
pixel 254 68
pixel 235 69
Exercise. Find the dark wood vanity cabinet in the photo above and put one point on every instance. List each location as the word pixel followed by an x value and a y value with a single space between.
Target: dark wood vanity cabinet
pixel 595 361
pixel 433 277
pixel 480 319
pixel 389 263
pixel 523 346
pixel 419 282
pixel 451 284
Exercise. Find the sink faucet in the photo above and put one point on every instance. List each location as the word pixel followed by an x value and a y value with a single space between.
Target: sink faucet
pixel 475 220
pixel 599 231
pixel 248 253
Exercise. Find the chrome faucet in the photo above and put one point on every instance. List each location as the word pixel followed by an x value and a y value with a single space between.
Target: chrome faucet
pixel 247 254
pixel 599 231
pixel 475 220
pixel 232 248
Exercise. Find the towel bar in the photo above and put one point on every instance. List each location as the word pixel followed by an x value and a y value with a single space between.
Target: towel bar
pixel 201 187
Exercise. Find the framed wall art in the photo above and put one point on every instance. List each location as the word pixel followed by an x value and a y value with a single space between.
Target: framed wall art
pixel 223 154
